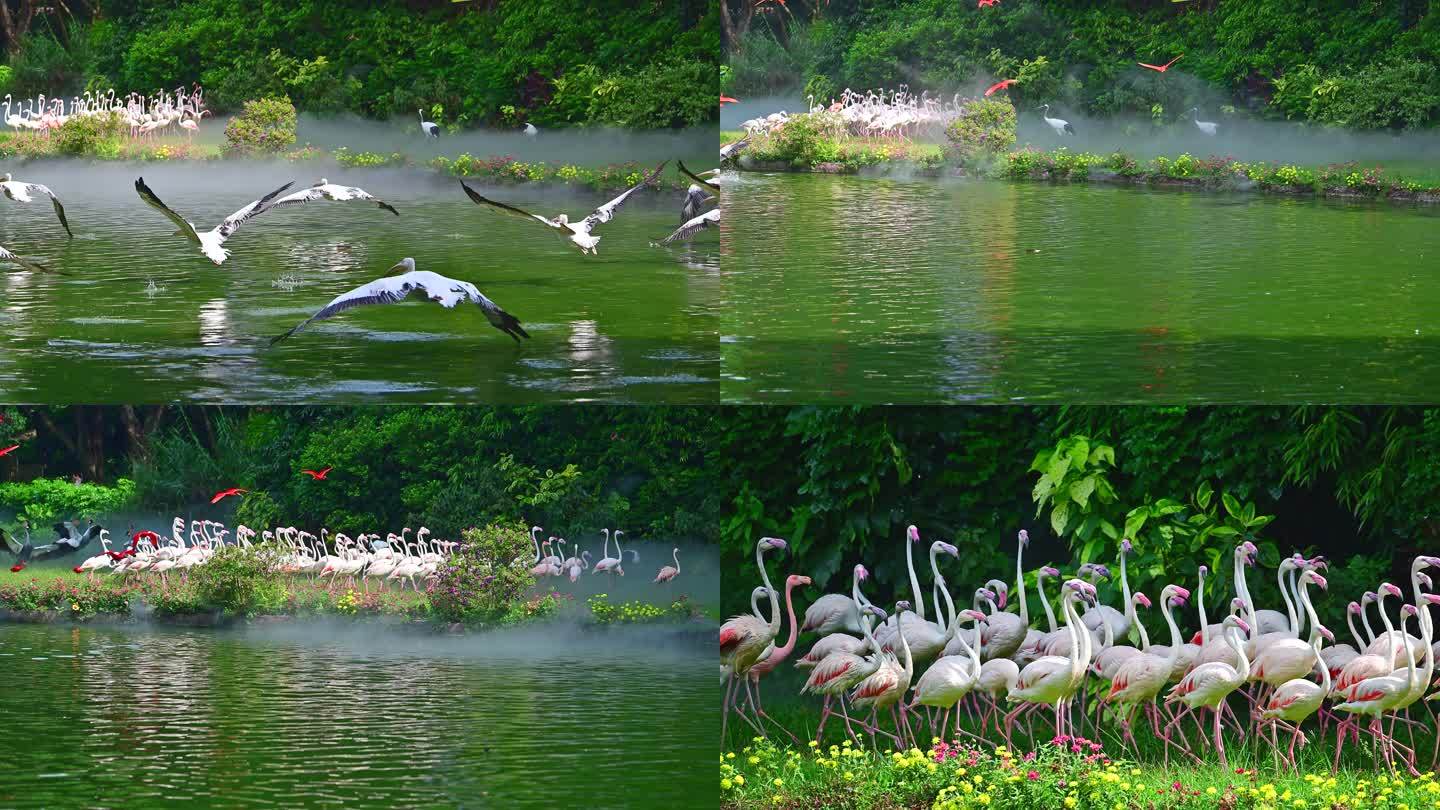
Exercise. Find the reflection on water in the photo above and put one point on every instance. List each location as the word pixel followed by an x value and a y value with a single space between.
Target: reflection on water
pixel 139 315
pixel 868 290
pixel 324 715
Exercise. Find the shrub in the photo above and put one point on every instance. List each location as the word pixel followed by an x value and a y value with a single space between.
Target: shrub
pixel 984 129
pixel 804 140
pixel 488 572
pixel 676 93
pixel 91 135
pixel 239 580
pixel 44 499
pixel 266 126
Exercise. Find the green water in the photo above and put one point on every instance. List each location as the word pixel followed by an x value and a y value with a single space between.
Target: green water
pixel 346 716
pixel 139 315
pixel 864 290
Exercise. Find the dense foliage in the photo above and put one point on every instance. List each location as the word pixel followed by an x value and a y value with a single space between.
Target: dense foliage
pixel 647 470
pixel 42 500
pixel 984 130
pixel 485 576
pixel 841 484
pixel 635 64
pixel 1368 65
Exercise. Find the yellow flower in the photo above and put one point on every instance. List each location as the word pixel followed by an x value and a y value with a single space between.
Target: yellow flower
pixel 754 760
pixel 1070 801
pixel 74 606
pixel 739 780
pixel 779 782
pixel 730 755
pixel 814 744
pixel 1211 791
pixel 777 798
pixel 726 784
pixel 983 798
pixel 849 776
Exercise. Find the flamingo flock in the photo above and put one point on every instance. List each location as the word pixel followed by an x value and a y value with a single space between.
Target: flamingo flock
pixel 145 117
pixel 888 114
pixel 550 559
pixel 1282 670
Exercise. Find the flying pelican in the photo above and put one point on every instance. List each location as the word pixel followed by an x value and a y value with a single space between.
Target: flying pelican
pixel 1207 127
pixel 695 198
pixel 430 128
pixel 706 179
pixel 531 130
pixel 7 256
pixel 19 191
pixel 447 292
pixel 210 241
pixel 325 190
pixel 731 150
pixel 578 232
pixel 1060 125
pixel 686 232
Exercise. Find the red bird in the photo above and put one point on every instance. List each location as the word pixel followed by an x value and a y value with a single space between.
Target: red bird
pixel 318 476
pixel 1160 68
pixel 1000 86
pixel 984 3
pixel 224 493
pixel 17 568
pixel 727 100
pixel 7 451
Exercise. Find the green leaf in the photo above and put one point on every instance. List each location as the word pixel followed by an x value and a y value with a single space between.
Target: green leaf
pixel 1060 518
pixel 1203 495
pixel 1232 506
pixel 1108 529
pixel 1080 491
pixel 1091 548
pixel 1224 531
pixel 1135 521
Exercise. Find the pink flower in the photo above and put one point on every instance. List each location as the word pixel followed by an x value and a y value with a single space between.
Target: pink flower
pixel 1032 776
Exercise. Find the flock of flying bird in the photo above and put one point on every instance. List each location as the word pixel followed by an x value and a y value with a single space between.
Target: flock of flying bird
pixel 984 660
pixel 402 279
pixel 394 559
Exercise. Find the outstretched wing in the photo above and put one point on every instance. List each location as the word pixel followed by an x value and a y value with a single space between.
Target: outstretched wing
pixel 186 229
pixel 498 318
pixel 388 290
pixel 695 199
pixel 341 194
pixel 9 543
pixel 54 201
pixel 731 150
pixel 695 177
pixel 444 291
pixel 6 255
pixel 606 212
pixel 510 209
pixel 686 232
pixel 233 222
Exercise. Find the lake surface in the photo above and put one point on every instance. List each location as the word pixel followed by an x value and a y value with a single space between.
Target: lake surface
pixel 865 290
pixel 139 315
pixel 329 715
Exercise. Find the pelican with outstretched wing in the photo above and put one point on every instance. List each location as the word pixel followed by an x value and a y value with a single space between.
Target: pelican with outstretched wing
pixel 9 256
pixel 19 191
pixel 21 551
pixel 730 150
pixel 211 242
pixel 447 292
pixel 695 199
pixel 325 190
pixel 577 232
pixel 686 232
pixel 707 179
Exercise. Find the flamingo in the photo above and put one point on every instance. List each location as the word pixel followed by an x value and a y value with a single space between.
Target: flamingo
pixel 1139 680
pixel 777 655
pixel 744 638
pixel 841 670
pixel 1296 699
pixel 1054 679
pixel 884 687
pixel 447 292
pixel 669 572
pixel 530 129
pixel 579 233
pixel 1207 685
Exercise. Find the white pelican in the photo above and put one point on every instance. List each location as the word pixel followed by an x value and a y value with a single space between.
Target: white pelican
pixel 706 179
pixel 19 191
pixel 7 256
pixel 731 150
pixel 1060 125
pixel 578 232
pixel 210 241
pixel 686 232
pixel 325 190
pixel 447 292
pixel 531 130
pixel 1207 127
pixel 430 128
pixel 695 199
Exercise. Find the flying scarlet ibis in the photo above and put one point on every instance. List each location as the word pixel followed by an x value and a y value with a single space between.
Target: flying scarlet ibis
pixel 7 451
pixel 318 475
pixel 1160 68
pixel 225 493
pixel 984 3
pixel 17 568
pixel 1000 86
pixel 727 100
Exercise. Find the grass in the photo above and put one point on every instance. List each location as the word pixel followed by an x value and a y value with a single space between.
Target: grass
pixel 834 772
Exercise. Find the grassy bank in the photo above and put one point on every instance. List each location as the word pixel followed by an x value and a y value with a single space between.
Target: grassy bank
pixel 1221 173
pixel 1063 773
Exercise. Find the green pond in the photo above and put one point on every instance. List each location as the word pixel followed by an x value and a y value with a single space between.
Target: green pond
pixel 867 290
pixel 322 715
pixel 137 314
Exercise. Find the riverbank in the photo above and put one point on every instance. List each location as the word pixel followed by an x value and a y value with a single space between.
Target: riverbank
pixel 1065 773
pixel 1184 171
pixel 494 169
pixel 55 595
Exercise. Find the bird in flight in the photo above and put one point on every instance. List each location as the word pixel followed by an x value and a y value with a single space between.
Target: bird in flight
pixel 225 493
pixel 1160 68
pixel 447 292
pixel 7 451
pixel 577 232
pixel 318 475
pixel 1000 86
pixel 325 190
pixel 728 100
pixel 984 3
pixel 210 242
pixel 19 191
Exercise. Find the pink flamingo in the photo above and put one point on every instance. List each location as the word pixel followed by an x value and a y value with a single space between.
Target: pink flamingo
pixel 1207 685
pixel 1054 679
pixel 777 655
pixel 888 683
pixel 744 638
pixel 1139 680
pixel 669 572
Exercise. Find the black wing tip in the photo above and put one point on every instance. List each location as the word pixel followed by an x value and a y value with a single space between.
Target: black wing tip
pixel 292 330
pixel 390 208
pixel 510 325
